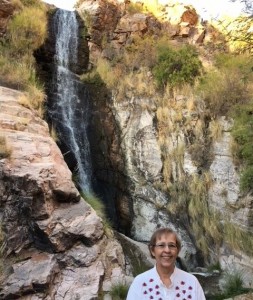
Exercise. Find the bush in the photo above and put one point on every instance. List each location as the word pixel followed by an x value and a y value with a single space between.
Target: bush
pixel 242 133
pixel 119 291
pixel 228 85
pixel 242 63
pixel 176 67
pixel 27 30
pixel 106 73
pixel 246 180
pixel 233 284
pixel 95 203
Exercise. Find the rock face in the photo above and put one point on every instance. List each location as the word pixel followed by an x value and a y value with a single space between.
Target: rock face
pixel 142 203
pixel 57 239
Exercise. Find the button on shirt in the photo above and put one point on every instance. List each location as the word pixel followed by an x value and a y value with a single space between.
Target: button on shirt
pixel 148 285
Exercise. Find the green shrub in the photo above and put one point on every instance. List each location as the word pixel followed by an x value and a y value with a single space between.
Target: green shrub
pixel 242 133
pixel 28 29
pixel 119 291
pixel 176 67
pixel 222 90
pixel 231 287
pixel 228 85
pixel 246 180
pixel 92 77
pixel 100 209
pixel 240 63
pixel 95 203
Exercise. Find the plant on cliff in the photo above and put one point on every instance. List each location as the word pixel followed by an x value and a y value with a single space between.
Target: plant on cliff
pixel 26 32
pixel 134 8
pixel 100 209
pixel 176 67
pixel 5 150
pixel 204 221
pixel 227 85
pixel 238 33
pixel 237 238
pixel 242 133
pixel 119 291
pixel 232 285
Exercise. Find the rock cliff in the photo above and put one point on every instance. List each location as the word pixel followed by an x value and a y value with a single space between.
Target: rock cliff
pixel 54 243
pixel 189 182
pixel 193 156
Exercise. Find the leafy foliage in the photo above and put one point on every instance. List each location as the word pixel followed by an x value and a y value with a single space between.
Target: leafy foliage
pixel 177 67
pixel 238 33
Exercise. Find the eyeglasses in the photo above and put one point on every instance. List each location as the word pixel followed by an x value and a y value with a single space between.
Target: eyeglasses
pixel 163 246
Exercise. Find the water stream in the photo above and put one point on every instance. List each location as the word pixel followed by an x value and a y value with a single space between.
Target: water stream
pixel 69 113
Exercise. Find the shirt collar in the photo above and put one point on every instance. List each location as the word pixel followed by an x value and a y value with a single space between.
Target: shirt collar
pixel 172 277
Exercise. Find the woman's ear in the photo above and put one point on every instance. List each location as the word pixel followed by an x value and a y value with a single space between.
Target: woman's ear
pixel 151 251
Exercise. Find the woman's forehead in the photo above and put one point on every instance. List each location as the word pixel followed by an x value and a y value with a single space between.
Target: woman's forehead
pixel 167 236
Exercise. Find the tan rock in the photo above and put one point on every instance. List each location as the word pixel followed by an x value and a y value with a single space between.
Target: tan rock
pixel 44 213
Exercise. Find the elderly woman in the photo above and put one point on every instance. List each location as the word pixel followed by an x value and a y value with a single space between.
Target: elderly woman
pixel 165 281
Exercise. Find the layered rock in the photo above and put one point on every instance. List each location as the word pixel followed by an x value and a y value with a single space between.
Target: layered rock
pixel 56 238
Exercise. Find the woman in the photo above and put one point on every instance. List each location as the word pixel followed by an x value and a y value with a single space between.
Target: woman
pixel 165 281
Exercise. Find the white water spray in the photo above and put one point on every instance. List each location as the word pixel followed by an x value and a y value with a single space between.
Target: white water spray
pixel 70 117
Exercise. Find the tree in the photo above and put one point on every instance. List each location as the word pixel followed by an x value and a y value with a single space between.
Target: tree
pixel 239 32
pixel 248 6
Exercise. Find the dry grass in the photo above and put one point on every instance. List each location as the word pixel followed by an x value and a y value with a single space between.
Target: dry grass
pixel 54 134
pixel 34 99
pixel 216 129
pixel 5 150
pixel 237 238
pixel 28 29
pixel 205 222
pixel 15 73
pixel 106 73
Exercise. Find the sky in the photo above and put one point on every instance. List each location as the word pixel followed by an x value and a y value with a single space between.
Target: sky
pixel 207 9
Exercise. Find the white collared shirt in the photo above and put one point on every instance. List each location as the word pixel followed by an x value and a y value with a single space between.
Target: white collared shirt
pixel 148 285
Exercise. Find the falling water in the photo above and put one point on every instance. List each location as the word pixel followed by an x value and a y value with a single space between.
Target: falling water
pixel 68 116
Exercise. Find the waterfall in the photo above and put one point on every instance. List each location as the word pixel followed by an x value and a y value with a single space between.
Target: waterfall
pixel 69 113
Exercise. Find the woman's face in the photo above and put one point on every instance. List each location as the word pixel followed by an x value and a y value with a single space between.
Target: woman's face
pixel 165 252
